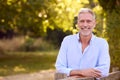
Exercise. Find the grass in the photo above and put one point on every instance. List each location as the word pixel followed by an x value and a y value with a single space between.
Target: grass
pixel 26 62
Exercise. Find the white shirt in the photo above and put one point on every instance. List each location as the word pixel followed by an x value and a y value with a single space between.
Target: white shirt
pixel 95 55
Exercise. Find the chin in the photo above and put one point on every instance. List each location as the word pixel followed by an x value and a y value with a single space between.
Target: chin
pixel 86 34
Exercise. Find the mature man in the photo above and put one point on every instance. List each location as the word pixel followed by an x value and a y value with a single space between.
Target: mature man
pixel 83 54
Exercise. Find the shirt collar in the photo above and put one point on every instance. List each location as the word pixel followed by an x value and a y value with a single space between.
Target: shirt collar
pixel 93 37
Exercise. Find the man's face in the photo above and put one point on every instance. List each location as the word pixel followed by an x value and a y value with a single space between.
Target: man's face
pixel 86 23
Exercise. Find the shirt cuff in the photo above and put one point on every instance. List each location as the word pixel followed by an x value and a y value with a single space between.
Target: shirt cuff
pixel 68 71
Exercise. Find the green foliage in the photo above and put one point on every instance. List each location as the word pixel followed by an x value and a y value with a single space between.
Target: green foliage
pixel 113 30
pixel 112 10
pixel 113 36
pixel 115 58
pixel 110 5
pixel 99 29
pixel 33 17
pixel 23 16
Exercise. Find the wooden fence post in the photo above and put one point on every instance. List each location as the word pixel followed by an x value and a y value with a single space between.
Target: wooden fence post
pixel 59 76
pixel 112 76
pixel 70 78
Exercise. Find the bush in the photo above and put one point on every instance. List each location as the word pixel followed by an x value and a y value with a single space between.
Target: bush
pixel 25 44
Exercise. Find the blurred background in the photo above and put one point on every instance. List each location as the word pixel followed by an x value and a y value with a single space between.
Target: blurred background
pixel 31 31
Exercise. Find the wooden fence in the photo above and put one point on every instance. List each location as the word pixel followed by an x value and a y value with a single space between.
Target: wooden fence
pixel 112 76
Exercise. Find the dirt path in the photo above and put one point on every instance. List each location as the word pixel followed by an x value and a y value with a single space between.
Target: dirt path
pixel 42 75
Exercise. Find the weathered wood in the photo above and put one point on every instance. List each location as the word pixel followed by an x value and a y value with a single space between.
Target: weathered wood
pixel 71 78
pixel 59 76
pixel 112 76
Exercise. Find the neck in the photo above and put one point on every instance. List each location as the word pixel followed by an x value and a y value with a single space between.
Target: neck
pixel 85 39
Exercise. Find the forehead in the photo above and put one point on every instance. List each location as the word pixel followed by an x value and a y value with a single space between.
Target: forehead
pixel 85 15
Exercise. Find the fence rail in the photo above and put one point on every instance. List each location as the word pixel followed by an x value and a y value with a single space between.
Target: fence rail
pixel 112 76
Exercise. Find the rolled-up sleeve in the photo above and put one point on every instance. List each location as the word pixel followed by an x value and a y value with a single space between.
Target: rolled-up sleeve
pixel 61 62
pixel 104 59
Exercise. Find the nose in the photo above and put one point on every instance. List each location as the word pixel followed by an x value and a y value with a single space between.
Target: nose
pixel 85 24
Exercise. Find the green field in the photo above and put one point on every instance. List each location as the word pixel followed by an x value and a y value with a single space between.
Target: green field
pixel 26 62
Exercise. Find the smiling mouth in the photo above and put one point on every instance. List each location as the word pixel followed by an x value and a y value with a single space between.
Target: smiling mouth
pixel 85 28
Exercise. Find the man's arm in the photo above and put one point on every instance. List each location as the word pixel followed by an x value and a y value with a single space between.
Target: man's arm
pixel 103 64
pixel 86 73
pixel 61 61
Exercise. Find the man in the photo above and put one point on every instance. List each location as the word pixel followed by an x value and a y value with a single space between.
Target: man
pixel 83 54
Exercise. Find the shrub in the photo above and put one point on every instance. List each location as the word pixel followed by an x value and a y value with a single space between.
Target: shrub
pixel 25 44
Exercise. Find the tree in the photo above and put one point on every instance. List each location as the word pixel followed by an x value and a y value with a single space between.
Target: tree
pixel 112 10
pixel 26 17
pixel 33 17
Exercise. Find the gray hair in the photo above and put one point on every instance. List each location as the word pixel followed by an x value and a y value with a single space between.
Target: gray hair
pixel 84 10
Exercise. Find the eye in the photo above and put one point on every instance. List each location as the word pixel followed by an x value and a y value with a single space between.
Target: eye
pixel 88 21
pixel 81 21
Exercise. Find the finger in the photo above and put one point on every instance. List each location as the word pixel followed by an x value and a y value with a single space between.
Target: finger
pixel 97 74
pixel 97 71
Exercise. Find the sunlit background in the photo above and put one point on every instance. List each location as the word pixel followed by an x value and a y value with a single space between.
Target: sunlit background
pixel 31 29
